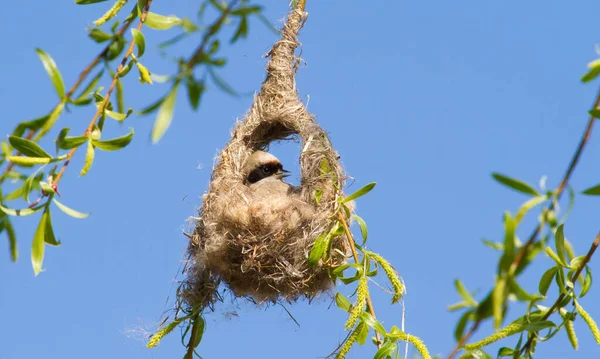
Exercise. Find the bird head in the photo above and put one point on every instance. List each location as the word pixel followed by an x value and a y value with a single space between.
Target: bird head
pixel 261 165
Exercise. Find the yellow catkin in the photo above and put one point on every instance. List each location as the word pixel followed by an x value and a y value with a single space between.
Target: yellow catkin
pixel 570 329
pixel 112 12
pixel 507 331
pixel 391 274
pixel 156 337
pixel 350 341
pixel 415 341
pixel 589 321
pixel 362 291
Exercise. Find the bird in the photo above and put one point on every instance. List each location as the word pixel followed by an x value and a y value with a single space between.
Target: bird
pixel 263 168
pixel 278 204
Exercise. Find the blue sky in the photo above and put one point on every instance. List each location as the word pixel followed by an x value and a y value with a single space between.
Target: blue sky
pixel 425 98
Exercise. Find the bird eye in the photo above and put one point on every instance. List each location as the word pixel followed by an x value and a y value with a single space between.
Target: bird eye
pixel 266 169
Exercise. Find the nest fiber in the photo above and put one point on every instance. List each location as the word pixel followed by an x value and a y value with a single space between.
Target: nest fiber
pixel 258 243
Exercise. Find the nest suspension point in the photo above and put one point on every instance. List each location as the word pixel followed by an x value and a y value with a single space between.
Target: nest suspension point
pixel 258 243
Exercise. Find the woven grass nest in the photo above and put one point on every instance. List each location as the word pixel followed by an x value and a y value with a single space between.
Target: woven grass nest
pixel 259 245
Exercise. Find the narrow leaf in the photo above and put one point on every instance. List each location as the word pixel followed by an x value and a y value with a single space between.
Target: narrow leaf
pixel 462 291
pixel 20 212
pixel 27 147
pixel 161 22
pixel 342 302
pixel 164 116
pixel 560 244
pixel 114 144
pixel 515 184
pixel 71 212
pixel 38 245
pixel 52 70
pixel 361 192
pixel 140 41
pixel 49 234
pixel 546 280
pixel 593 191
pixel 29 161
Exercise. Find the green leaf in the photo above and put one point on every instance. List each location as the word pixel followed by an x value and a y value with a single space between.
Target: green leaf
pixel 560 243
pixel 515 184
pixel 594 71
pixel 161 22
pixel 518 291
pixel 498 298
pixel 118 116
pixel 369 320
pixel 28 161
pixel 195 90
pixel 246 10
pixel 317 249
pixel 31 182
pixel 218 80
pixel 115 48
pixel 387 350
pixel 90 86
pixel 364 231
pixel 462 324
pixel 49 237
pixel 12 239
pixel 462 291
pixel 509 243
pixel 87 2
pixel 164 116
pixel 30 125
pixel 527 206
pixel 587 282
pixel 114 144
pixel 546 280
pixel 493 245
pixel 38 245
pixel 125 70
pixel 242 30
pixel 27 147
pixel 140 41
pixel 71 212
pixel 342 302
pixel 89 159
pixel 99 36
pixel 537 326
pixel 68 143
pixel 361 192
pixel 54 115
pixel 593 191
pixel 120 100
pixel 20 212
pixel 52 70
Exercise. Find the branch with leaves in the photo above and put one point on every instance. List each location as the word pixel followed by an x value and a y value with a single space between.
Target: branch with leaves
pixel 23 155
pixel 516 257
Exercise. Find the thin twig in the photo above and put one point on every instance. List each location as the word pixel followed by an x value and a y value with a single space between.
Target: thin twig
pixel 102 105
pixel 554 306
pixel 82 76
pixel 524 250
pixel 355 255
pixel 200 49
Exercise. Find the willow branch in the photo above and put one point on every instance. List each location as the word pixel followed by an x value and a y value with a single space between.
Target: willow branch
pixel 355 255
pixel 82 76
pixel 103 104
pixel 562 296
pixel 524 250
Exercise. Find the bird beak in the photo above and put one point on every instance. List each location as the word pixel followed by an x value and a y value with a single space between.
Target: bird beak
pixel 283 173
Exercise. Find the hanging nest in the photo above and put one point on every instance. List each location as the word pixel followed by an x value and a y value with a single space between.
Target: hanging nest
pixel 258 243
